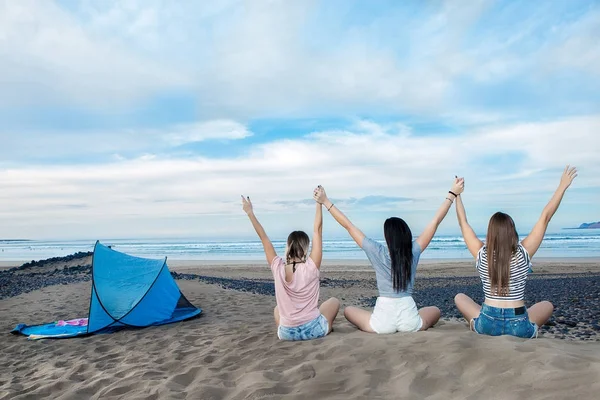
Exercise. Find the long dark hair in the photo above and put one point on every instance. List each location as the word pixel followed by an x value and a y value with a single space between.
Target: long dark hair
pixel 501 242
pixel 297 248
pixel 399 241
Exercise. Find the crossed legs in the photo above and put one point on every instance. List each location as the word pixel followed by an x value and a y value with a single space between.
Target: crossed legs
pixel 362 318
pixel 539 313
pixel 467 307
pixel 329 309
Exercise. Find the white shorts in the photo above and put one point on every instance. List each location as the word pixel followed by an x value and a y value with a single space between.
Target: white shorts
pixel 392 315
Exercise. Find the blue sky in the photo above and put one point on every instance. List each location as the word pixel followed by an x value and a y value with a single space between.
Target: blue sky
pixel 125 119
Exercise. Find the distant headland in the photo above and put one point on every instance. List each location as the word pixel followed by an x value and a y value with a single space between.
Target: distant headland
pixel 590 225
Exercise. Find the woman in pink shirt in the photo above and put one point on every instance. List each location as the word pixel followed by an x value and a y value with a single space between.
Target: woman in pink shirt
pixel 297 314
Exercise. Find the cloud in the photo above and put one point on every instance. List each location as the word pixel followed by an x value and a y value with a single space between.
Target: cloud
pixel 48 57
pixel 119 144
pixel 546 144
pixel 578 49
pixel 380 202
pixel 448 89
pixel 384 201
pixel 384 167
pixel 295 203
pixel 249 60
pixel 240 60
pixel 266 66
pixel 202 131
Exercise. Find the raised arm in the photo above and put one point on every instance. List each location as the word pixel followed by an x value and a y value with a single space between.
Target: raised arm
pixel 471 240
pixel 267 245
pixel 425 238
pixel 355 233
pixel 316 253
pixel 533 241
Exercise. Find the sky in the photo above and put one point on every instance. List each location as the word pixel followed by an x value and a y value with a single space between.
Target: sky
pixel 149 118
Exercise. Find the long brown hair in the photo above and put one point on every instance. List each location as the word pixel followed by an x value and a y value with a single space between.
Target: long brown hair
pixel 501 242
pixel 297 248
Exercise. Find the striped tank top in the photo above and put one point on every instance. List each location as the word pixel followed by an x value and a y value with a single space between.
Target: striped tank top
pixel 519 268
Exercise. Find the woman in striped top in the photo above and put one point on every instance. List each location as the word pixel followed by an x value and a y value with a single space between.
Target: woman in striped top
pixel 503 264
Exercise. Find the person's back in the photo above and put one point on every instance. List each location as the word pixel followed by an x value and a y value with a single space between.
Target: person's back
pixel 395 267
pixel 503 264
pixel 379 256
pixel 395 309
pixel 296 277
pixel 518 272
pixel 297 299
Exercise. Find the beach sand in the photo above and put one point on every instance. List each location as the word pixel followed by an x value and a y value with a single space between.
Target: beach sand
pixel 232 352
pixel 361 269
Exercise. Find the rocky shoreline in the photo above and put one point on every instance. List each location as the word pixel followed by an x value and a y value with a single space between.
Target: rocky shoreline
pixel 576 297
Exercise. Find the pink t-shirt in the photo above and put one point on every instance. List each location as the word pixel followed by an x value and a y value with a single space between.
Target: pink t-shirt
pixel 297 300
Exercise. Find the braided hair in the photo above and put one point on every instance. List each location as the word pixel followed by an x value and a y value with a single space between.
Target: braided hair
pixel 297 248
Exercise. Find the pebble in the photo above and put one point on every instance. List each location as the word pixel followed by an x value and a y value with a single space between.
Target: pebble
pixel 576 298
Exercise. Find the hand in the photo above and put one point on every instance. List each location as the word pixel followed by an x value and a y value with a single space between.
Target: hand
pixel 459 185
pixel 568 176
pixel 319 195
pixel 247 205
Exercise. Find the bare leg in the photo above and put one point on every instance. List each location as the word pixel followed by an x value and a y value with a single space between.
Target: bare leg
pixel 430 316
pixel 467 307
pixel 276 315
pixel 330 309
pixel 540 313
pixel 359 317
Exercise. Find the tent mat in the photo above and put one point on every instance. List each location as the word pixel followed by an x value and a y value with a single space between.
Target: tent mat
pixel 51 330
pixel 61 330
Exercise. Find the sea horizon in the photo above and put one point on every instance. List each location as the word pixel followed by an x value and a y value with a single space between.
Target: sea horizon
pixel 580 243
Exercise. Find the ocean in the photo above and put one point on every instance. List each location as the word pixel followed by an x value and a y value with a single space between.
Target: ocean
pixel 569 243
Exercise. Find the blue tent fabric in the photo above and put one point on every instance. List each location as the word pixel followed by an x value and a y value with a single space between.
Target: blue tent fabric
pixel 127 291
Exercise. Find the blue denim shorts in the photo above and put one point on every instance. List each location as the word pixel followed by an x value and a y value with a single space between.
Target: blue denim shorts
pixel 496 321
pixel 317 328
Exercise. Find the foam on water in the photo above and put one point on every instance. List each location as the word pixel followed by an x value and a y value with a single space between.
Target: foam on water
pixel 571 243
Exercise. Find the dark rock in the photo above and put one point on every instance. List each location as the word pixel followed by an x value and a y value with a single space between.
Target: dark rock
pixel 572 319
pixel 570 323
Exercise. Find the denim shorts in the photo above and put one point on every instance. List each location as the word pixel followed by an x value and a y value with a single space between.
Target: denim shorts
pixel 496 321
pixel 317 328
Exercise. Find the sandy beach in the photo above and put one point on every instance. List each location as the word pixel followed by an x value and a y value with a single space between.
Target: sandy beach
pixel 232 352
pixel 347 268
pixel 387 141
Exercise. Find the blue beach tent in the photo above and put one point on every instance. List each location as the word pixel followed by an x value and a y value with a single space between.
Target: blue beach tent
pixel 127 292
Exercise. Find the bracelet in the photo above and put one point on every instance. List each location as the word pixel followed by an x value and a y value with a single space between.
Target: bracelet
pixel 452 193
pixel 451 201
pixel 330 207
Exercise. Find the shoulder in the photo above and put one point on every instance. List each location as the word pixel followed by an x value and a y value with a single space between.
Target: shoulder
pixel 416 248
pixel 371 245
pixel 523 251
pixel 367 241
pixel 482 254
pixel 376 252
pixel 310 262
pixel 277 262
